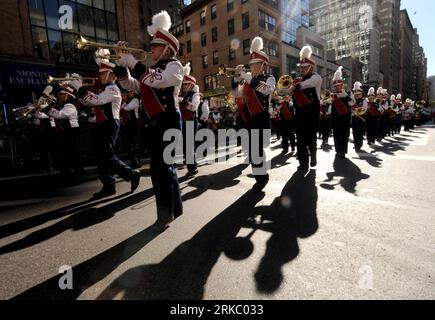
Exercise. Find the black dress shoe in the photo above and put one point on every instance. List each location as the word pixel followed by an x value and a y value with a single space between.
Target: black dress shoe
pixel 107 191
pixel 313 161
pixel 135 178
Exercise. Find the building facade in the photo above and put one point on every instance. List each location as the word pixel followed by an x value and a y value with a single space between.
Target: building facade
pixel 406 55
pixel 352 28
pixel 431 90
pixel 389 17
pixel 41 40
pixel 419 68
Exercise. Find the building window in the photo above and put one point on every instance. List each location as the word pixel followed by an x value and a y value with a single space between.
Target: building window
pixel 243 1
pixel 231 27
pixel 213 12
pixel 181 51
pixel 232 54
pixel 189 46
pixel 203 39
pixel 272 49
pixel 274 71
pixel 96 20
pixel 202 18
pixel 230 5
pixel 214 35
pixel 246 46
pixel 178 31
pixel 211 82
pixel 265 21
pixel 205 61
pixel 245 20
pixel 215 57
pixel 187 26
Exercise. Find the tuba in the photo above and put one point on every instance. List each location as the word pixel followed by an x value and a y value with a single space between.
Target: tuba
pixel 326 95
pixel 283 86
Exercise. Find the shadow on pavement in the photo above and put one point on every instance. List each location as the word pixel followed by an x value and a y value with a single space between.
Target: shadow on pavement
pixel 349 172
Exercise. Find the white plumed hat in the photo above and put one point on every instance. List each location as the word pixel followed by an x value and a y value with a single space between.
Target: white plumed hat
pixel 187 77
pixel 159 30
pixel 257 54
pixel 371 91
pixel 305 57
pixel 379 90
pixel 357 87
pixel 338 76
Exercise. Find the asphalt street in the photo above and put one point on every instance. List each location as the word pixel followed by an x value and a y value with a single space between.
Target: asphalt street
pixel 355 228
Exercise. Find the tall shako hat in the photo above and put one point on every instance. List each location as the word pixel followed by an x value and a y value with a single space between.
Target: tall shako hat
pixel 257 54
pixel 188 79
pixel 159 30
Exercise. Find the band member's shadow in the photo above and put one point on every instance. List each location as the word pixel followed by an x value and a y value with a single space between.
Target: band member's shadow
pixel 218 181
pixel 91 271
pixel 326 147
pixel 77 221
pixel 184 272
pixel 350 175
pixel 390 148
pixel 291 216
pixel 370 158
pixel 34 221
pixel 280 160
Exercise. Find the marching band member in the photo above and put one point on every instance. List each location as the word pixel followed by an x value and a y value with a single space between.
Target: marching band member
pixel 385 118
pixel 381 126
pixel 397 108
pixel 189 101
pixel 107 107
pixel 407 114
pixel 325 119
pixel 286 123
pixel 130 113
pixel 203 112
pixel 358 116
pixel 306 100
pixel 160 86
pixel 68 138
pixel 342 103
pixel 372 118
pixel 256 90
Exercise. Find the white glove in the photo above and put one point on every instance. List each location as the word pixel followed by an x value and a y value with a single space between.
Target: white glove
pixel 76 84
pixel 47 90
pixel 246 76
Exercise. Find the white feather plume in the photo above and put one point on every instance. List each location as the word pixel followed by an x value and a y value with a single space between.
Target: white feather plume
pixel 338 74
pixel 399 97
pixel 99 53
pixel 186 69
pixel 379 90
pixel 371 91
pixel 305 53
pixel 393 97
pixel 357 86
pixel 161 20
pixel 384 91
pixel 257 44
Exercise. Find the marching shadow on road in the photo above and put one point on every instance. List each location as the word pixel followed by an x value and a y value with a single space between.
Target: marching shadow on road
pixel 280 160
pixel 218 181
pixel 292 215
pixel 390 147
pixel 351 174
pixel 77 221
pixel 91 271
pixel 372 159
pixel 184 272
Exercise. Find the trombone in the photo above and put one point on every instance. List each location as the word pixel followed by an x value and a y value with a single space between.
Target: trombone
pixel 50 80
pixel 82 43
pixel 31 108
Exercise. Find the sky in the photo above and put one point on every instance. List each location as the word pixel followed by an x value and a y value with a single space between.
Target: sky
pixel 421 13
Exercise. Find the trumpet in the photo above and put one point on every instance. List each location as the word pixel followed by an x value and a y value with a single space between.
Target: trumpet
pixel 419 104
pixel 82 43
pixel 229 72
pixel 378 101
pixel 50 80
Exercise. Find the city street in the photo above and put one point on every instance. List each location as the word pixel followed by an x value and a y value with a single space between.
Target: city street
pixel 354 228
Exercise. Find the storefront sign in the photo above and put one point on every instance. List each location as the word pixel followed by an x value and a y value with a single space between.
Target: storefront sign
pixel 22 76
